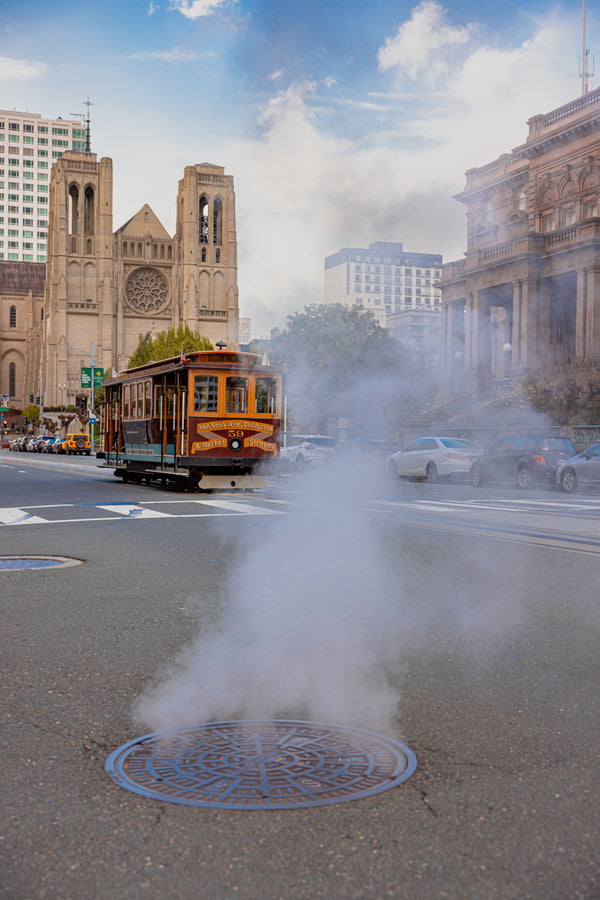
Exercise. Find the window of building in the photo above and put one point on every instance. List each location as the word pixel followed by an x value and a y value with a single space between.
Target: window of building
pixel 88 211
pixel 13 317
pixel 217 221
pixel 56 130
pixel 12 379
pixel 570 216
pixel 42 176
pixel 203 225
pixel 590 209
pixel 548 222
pixel 27 140
pixel 13 126
pixel 27 257
pixel 42 129
pixel 42 153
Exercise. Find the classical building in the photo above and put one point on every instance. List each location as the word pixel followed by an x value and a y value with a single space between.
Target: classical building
pixel 527 294
pixel 384 279
pixel 103 288
pixel 29 147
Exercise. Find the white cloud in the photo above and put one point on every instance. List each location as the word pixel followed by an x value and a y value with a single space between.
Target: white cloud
pixel 20 69
pixel 152 8
pixel 423 42
pixel 195 9
pixel 174 55
pixel 275 76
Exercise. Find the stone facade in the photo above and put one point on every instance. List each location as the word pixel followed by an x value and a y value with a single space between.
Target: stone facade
pixel 527 294
pixel 102 289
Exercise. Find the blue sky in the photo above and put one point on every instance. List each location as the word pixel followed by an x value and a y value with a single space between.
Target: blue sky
pixel 342 123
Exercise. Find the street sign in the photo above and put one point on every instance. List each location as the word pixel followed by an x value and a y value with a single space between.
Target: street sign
pixel 93 418
pixel 88 373
pixel 5 399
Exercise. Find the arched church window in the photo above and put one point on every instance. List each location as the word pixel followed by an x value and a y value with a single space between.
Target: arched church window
pixel 162 251
pixel 12 379
pixel 154 251
pixel 73 244
pixel 217 221
pixel 73 210
pixel 88 218
pixel 88 246
pixel 204 254
pixel 218 255
pixel 139 250
pixel 13 317
pixel 521 200
pixel 203 209
pixel 170 252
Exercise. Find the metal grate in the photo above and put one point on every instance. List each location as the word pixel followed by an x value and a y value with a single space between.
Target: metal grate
pixel 279 764
pixel 18 563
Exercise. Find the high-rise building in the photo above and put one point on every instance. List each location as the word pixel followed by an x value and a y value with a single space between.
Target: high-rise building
pixel 384 279
pixel 29 147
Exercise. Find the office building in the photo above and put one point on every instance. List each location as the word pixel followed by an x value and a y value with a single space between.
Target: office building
pixel 384 279
pixel 29 147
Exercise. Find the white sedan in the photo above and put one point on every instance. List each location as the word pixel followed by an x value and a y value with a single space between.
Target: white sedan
pixel 307 450
pixel 432 458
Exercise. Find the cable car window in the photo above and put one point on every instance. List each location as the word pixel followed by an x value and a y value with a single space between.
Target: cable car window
pixel 205 393
pixel 126 402
pixel 266 395
pixel 148 400
pixel 236 395
pixel 140 399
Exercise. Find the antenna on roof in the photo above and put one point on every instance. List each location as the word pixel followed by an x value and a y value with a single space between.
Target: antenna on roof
pixel 585 70
pixel 85 120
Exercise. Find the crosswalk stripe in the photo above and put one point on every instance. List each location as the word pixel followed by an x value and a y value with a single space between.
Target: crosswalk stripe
pixel 19 517
pixel 232 506
pixel 131 511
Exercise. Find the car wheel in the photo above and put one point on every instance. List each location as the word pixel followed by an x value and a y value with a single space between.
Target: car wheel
pixel 300 464
pixel 432 472
pixel 568 480
pixel 524 478
pixel 477 478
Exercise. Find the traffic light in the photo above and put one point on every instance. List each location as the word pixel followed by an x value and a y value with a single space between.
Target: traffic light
pixel 31 398
pixel 37 400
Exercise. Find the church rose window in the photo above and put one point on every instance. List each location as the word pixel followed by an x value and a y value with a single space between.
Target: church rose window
pixel 146 290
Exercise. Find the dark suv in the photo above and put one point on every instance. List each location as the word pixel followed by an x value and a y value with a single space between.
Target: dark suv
pixel 524 459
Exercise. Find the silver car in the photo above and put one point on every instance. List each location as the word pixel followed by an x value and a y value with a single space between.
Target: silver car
pixel 304 450
pixel 581 471
pixel 431 458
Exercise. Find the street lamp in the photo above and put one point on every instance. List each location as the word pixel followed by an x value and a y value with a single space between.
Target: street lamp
pixel 62 388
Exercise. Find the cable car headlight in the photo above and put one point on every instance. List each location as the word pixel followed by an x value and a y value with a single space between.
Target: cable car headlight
pixel 236 444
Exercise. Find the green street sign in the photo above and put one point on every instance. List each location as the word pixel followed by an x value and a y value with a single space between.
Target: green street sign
pixel 87 374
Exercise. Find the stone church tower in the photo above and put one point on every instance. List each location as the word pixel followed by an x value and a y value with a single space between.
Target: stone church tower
pixel 207 252
pixel 105 288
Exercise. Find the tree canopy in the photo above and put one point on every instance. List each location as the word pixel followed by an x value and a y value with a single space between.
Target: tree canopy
pixel 167 344
pixel 333 342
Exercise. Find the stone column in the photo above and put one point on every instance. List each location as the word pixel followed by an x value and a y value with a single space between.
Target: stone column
pixel 529 309
pixel 593 313
pixel 581 314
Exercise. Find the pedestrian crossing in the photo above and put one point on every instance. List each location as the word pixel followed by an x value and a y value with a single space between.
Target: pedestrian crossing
pixel 123 510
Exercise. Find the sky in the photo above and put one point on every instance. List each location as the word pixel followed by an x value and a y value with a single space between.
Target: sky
pixel 341 123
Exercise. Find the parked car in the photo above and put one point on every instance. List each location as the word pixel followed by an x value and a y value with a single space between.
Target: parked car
pixel 77 443
pixel 431 458
pixel 304 450
pixel 522 459
pixel 49 444
pixel 581 471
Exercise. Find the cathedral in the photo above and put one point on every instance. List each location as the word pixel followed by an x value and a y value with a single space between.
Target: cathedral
pixel 101 289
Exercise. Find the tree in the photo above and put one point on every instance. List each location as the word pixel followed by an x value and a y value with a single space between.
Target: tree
pixel 167 344
pixel 341 362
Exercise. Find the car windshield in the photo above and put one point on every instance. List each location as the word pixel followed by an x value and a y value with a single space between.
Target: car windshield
pixel 457 444
pixel 321 441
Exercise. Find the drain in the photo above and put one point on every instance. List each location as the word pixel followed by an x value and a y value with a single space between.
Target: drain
pixel 278 764
pixel 18 563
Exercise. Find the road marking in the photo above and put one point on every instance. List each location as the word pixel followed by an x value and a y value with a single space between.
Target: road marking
pixel 19 517
pixel 231 506
pixel 131 511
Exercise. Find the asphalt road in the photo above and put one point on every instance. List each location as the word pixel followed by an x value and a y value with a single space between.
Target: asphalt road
pixel 496 676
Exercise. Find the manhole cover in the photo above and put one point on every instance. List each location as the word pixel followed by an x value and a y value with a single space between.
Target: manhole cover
pixel 278 764
pixel 17 563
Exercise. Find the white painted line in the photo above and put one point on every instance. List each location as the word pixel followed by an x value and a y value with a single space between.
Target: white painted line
pixel 231 506
pixel 16 516
pixel 134 512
